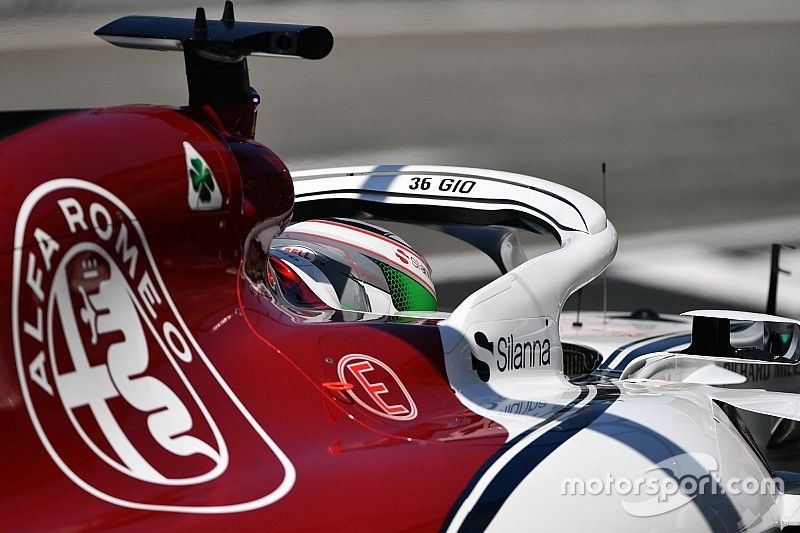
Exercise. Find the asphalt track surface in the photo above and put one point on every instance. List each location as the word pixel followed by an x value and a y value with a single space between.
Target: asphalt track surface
pixel 699 124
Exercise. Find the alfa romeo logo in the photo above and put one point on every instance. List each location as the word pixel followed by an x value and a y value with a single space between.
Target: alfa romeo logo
pixel 121 395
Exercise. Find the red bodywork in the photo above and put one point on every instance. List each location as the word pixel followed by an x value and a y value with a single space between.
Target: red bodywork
pixel 257 421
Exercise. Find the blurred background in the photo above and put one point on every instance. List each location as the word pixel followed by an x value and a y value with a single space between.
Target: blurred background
pixel 694 106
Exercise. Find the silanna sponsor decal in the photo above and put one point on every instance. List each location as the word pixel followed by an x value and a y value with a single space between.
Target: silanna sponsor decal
pixel 121 395
pixel 511 353
pixel 376 387
pixel 413 261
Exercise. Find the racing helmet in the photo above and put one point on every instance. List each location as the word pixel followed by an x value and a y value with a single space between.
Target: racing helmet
pixel 349 265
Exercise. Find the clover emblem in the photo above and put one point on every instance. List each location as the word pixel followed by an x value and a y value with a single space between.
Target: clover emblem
pixel 202 181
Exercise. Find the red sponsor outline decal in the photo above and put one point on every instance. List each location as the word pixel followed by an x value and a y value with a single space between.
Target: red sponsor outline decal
pixel 359 366
pixel 402 256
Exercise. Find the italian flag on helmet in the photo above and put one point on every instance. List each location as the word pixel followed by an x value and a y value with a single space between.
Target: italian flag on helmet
pixel 350 265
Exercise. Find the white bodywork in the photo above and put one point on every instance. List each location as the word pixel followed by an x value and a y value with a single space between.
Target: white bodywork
pixel 741 315
pixel 621 340
pixel 504 361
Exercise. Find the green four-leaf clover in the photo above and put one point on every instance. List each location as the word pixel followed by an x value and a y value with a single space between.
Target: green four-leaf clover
pixel 202 181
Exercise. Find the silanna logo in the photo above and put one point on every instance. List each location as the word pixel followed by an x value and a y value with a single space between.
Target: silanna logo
pixel 511 354
pixel 376 387
pixel 412 261
pixel 105 360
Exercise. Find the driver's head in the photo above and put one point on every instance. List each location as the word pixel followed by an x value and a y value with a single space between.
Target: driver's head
pixel 349 264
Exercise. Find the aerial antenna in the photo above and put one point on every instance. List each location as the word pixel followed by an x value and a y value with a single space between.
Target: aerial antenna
pixel 605 274
pixel 578 322
pixel 774 270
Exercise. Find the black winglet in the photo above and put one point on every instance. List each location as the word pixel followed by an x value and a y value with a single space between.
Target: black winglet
pixel 227 13
pixel 215 53
pixel 223 40
pixel 200 23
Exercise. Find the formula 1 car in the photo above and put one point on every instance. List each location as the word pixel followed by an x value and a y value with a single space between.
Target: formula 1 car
pixel 613 345
pixel 199 339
